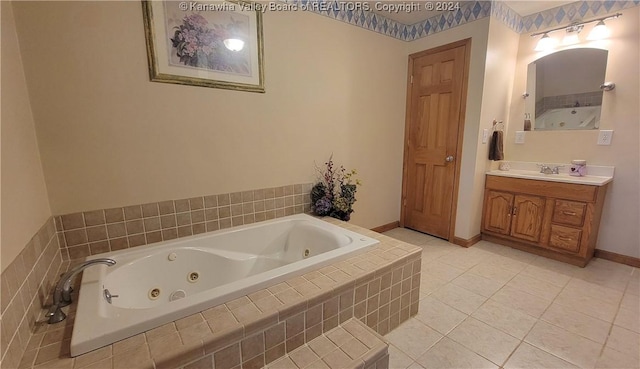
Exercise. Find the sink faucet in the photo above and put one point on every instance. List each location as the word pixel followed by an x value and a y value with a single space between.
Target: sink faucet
pixel 62 292
pixel 545 169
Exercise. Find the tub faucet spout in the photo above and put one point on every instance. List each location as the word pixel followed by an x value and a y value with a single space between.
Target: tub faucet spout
pixel 62 292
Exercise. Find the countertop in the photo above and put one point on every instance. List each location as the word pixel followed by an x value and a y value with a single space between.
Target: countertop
pixel 591 180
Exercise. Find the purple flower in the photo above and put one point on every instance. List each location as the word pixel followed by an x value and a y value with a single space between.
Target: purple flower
pixel 323 206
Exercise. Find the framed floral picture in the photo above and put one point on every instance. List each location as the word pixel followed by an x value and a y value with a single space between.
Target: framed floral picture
pixel 210 44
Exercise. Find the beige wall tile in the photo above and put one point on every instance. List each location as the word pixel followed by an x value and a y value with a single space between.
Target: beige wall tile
pixel 75 237
pixel 198 228
pixel 274 353
pixel 72 221
pixel 224 199
pixel 116 230
pixel 182 205
pixel 210 201
pixel 228 357
pixel 153 237
pixel 92 218
pixel 150 210
pixel 236 197
pixel 134 227
pixel 183 219
pixel 204 363
pixel 152 224
pixel 98 233
pixel 168 221
pixel 166 207
pixel 118 243
pixel 137 240
pixel 252 346
pixel 114 215
pixel 197 216
pixel 133 212
pixel 78 252
pixel 196 203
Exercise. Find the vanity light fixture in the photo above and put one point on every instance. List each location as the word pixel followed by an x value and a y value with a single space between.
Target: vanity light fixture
pixel 546 43
pixel 598 32
pixel 571 37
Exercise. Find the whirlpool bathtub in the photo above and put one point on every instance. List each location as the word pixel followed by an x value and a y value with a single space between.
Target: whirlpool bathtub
pixel 160 283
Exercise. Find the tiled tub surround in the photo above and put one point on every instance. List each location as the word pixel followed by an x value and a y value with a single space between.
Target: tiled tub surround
pixel 26 283
pixel 380 288
pixel 229 264
pixel 99 231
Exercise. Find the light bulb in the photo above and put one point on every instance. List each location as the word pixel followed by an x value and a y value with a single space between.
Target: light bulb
pixel 234 44
pixel 546 43
pixel 599 32
pixel 570 39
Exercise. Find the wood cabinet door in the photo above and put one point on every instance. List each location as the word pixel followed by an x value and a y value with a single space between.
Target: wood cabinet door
pixel 497 216
pixel 528 212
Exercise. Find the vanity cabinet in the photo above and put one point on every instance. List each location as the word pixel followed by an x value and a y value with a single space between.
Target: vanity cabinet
pixel 553 219
pixel 515 215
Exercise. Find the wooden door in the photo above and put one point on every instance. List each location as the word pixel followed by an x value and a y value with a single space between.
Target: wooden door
pixel 433 137
pixel 528 212
pixel 497 212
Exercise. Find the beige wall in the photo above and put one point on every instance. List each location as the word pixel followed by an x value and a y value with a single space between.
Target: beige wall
pixel 25 206
pixel 502 48
pixel 619 229
pixel 109 137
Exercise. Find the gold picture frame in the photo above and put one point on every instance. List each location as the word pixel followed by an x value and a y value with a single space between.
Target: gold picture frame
pixel 215 44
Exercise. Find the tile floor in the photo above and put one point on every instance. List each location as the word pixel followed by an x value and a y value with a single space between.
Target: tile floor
pixel 490 306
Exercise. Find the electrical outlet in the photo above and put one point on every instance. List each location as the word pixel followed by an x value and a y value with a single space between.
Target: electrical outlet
pixel 485 135
pixel 519 137
pixel 604 137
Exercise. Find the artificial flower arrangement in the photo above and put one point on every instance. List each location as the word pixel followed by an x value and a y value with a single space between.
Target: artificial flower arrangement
pixel 335 192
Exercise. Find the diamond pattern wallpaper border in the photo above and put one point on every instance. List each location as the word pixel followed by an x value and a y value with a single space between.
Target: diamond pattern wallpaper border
pixel 469 11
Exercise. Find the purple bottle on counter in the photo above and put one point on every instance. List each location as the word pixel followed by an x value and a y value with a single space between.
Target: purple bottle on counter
pixel 578 168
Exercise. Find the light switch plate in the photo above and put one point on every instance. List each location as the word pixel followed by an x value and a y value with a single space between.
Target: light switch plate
pixel 519 137
pixel 485 135
pixel 604 137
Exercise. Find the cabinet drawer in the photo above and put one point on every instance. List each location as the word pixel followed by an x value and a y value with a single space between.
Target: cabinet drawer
pixel 565 238
pixel 569 212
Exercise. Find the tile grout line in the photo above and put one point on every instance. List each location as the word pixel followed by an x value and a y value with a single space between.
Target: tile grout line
pixel 32 301
pixel 604 345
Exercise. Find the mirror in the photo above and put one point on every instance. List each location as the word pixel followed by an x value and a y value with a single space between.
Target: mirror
pixel 564 89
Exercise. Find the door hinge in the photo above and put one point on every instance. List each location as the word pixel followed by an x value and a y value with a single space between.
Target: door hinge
pixel 411 79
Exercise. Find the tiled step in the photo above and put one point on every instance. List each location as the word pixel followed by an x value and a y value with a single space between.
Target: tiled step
pixel 350 345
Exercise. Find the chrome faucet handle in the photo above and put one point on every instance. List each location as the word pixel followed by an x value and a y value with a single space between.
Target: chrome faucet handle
pixel 556 169
pixel 62 292
pixel 544 168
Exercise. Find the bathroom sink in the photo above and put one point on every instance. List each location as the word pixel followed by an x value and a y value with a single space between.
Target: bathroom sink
pixel 592 180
